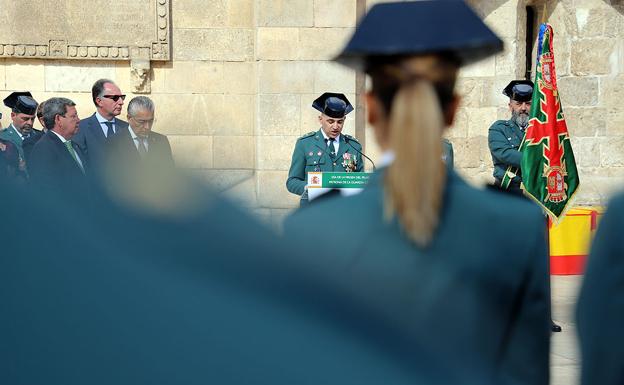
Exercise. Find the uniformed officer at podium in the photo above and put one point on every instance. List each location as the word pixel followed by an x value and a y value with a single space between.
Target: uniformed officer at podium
pixel 327 149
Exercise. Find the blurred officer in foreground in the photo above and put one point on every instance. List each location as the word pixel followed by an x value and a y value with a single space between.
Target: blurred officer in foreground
pixel 151 280
pixel 325 150
pixel 600 311
pixel 432 250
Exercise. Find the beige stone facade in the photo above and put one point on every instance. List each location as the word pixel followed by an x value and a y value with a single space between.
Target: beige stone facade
pixel 238 89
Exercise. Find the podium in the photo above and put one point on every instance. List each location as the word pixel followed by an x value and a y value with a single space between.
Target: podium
pixel 349 183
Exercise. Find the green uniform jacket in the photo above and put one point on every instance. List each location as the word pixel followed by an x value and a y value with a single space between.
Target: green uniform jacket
pixel 11 135
pixel 479 293
pixel 504 139
pixel 600 312
pixel 311 154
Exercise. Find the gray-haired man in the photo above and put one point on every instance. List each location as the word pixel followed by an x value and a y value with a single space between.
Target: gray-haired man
pixel 139 142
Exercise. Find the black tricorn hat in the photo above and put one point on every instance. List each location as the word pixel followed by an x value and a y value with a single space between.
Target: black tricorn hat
pixel 519 90
pixel 420 27
pixel 21 102
pixel 333 105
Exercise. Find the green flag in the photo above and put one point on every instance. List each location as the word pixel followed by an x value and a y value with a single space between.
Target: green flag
pixel 549 172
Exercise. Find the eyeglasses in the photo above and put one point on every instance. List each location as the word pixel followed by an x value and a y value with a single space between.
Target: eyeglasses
pixel 115 97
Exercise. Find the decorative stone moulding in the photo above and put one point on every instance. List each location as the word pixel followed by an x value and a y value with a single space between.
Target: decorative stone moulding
pixel 135 30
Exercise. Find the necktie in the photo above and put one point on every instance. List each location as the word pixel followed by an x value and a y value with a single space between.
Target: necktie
pixel 142 148
pixel 331 148
pixel 72 152
pixel 109 129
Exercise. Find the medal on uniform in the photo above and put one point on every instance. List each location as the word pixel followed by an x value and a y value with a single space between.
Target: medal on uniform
pixel 310 154
pixel 319 153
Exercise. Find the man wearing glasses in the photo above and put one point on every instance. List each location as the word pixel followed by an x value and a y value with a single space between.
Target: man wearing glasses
pixel 96 131
pixel 55 160
pixel 139 144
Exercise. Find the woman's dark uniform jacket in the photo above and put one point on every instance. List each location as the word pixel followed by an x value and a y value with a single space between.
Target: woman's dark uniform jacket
pixel 478 295
pixel 600 312
pixel 116 294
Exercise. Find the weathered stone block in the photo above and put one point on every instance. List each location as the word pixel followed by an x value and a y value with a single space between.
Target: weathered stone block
pixel 504 19
pixel 240 78
pixel 586 151
pixel 63 76
pixel 510 62
pixel 459 129
pixel 285 13
pixel 480 120
pixel 229 44
pixel 615 122
pixel 611 154
pixel 585 122
pixel 24 75
pixel 578 91
pixel 202 114
pixel 234 152
pixel 322 43
pixel 285 77
pixel 212 13
pixel 275 152
pixel 189 77
pixel 279 114
pixel 333 77
pixel 483 68
pixel 2 73
pixel 563 57
pixel 475 92
pixel 472 153
pixel 593 56
pixel 272 191
pixel 331 13
pixel 278 43
pixel 192 151
pixel 612 91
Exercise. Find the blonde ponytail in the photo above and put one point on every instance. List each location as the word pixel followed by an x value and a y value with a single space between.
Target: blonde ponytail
pixel 415 181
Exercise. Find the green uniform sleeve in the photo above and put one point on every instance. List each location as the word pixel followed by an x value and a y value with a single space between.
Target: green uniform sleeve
pixel 296 181
pixel 500 147
pixel 448 153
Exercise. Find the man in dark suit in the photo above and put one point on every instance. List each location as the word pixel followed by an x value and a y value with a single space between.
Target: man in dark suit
pixel 55 159
pixel 97 130
pixel 139 143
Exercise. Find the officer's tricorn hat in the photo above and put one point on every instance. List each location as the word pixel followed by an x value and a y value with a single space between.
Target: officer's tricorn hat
pixel 519 90
pixel 21 102
pixel 421 27
pixel 333 105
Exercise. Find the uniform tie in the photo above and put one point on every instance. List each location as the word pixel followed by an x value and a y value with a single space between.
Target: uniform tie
pixel 331 148
pixel 72 152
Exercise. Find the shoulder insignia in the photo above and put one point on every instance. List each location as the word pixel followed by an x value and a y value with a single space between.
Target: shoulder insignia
pixel 309 134
pixel 352 138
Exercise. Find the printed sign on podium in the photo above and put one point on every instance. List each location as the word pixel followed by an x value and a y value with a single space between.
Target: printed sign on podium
pixel 349 183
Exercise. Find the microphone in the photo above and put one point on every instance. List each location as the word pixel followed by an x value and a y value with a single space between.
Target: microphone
pixel 347 140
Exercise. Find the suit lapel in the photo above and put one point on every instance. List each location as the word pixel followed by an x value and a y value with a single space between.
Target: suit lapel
pixel 65 154
pixel 96 128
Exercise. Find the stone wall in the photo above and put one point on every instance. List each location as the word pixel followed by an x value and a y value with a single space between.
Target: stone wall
pixel 238 90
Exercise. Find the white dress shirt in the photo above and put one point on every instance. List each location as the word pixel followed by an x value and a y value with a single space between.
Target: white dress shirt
pixel 104 127
pixel 135 139
pixel 336 141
